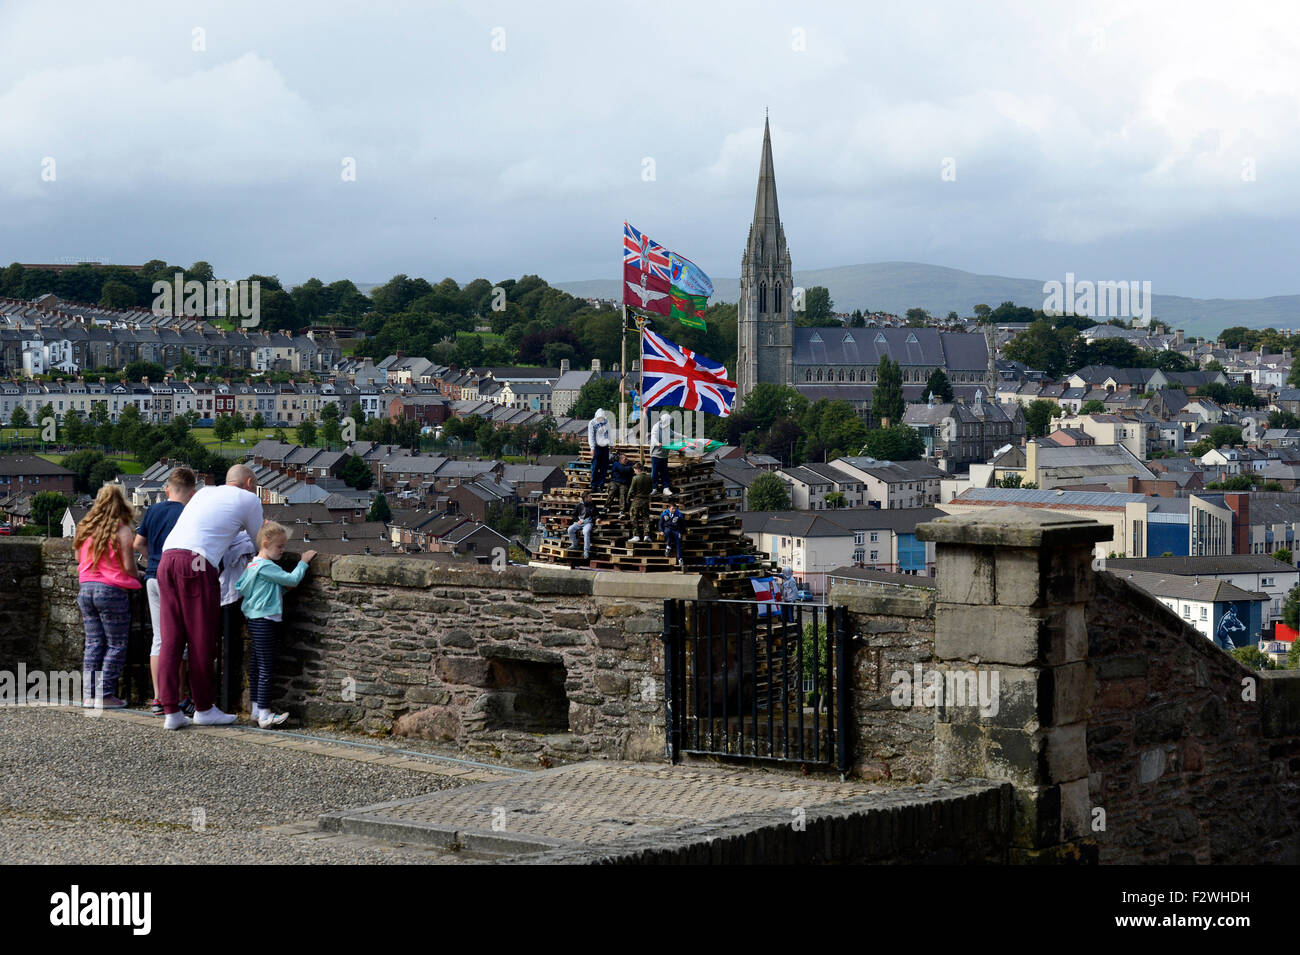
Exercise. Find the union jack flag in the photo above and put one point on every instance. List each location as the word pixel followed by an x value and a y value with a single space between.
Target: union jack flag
pixel 645 255
pixel 677 377
pixel 767 595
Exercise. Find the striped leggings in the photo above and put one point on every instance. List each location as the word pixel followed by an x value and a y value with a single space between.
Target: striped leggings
pixel 261 662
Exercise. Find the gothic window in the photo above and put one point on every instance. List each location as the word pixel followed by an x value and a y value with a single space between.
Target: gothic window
pixel 778 299
pixel 841 374
pixel 809 374
pixel 819 374
pixel 762 297
pixel 850 375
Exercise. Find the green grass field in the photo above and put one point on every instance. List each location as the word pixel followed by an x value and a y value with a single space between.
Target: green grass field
pixel 126 464
pixel 250 437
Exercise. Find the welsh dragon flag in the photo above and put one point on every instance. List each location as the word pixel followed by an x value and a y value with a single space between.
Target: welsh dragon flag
pixel 686 308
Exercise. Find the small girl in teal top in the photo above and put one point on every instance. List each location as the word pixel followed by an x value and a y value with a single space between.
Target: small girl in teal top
pixel 262 585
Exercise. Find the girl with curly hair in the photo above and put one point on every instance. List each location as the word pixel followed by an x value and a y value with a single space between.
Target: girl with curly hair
pixel 107 571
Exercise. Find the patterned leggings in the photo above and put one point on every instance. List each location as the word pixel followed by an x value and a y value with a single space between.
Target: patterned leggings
pixel 106 611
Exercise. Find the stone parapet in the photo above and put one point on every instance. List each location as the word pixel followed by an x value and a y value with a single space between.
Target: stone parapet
pixel 1012 589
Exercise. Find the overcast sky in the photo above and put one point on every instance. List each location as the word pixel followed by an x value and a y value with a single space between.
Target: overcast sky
pixel 498 138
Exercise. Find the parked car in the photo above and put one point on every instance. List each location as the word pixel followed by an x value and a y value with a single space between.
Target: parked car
pixel 805 595
pixel 6 530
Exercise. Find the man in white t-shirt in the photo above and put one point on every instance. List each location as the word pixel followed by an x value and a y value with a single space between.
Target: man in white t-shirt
pixel 190 593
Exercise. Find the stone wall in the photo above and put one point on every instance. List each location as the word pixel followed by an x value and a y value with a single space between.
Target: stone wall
pixel 966 823
pixel 1193 757
pixel 893 631
pixel 524 663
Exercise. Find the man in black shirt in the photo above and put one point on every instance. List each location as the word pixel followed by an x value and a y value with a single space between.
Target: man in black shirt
pixel 584 516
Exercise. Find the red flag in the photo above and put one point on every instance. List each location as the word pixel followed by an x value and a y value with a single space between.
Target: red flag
pixel 645 290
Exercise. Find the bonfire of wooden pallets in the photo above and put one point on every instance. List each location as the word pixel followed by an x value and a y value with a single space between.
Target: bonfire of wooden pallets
pixel 713 545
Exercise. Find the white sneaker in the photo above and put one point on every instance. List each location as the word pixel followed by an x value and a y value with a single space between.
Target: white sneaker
pixel 214 717
pixel 175 721
pixel 255 713
pixel 667 493
pixel 271 718
pixel 634 540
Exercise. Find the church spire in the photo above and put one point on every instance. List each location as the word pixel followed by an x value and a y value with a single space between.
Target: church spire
pixel 767 220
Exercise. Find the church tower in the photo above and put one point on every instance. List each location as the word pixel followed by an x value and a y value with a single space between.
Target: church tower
pixel 765 314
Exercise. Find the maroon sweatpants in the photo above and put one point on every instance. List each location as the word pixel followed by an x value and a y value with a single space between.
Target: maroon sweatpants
pixel 189 594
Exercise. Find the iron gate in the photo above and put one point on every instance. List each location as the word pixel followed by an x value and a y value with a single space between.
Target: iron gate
pixel 757 681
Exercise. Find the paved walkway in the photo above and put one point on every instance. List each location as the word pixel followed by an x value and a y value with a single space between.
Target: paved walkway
pixel 117 788
pixel 589 804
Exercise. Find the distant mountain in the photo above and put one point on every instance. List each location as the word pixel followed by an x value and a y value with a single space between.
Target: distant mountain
pixel 897 286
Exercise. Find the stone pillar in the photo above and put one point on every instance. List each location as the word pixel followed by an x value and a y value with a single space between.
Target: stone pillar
pixel 1009 619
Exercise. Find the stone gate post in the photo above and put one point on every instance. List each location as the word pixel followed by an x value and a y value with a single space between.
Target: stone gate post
pixel 1009 629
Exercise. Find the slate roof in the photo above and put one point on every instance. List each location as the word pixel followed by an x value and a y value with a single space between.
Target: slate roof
pixel 960 351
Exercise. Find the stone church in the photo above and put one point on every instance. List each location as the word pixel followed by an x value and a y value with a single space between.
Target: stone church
pixel 835 362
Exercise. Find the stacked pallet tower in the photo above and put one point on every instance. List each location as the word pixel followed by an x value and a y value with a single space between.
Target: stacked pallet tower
pixel 713 545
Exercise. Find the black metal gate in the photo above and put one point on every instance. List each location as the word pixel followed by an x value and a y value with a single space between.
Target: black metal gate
pixel 757 681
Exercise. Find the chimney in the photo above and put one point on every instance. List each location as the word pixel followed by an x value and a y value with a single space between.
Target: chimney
pixel 1179 337
pixel 595 365
pixel 564 366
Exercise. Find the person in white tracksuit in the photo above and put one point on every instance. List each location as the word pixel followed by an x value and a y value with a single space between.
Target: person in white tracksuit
pixel 598 440
pixel 660 434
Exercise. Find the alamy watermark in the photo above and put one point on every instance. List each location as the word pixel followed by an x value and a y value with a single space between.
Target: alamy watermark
pixel 42 687
pixel 218 298
pixel 920 687
pixel 1089 299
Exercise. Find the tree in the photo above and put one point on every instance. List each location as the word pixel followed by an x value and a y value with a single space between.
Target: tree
pixel 280 436
pixel 258 422
pixel 1253 658
pixel 223 429
pixel 917 316
pixel 84 465
pixel 596 393
pixel 1039 415
pixel 1042 347
pixel 115 294
pixel 1093 406
pixel 1225 434
pixel 835 499
pixel 887 398
pixel 19 418
pixel 769 493
pixel 379 510
pixel 1291 609
pixel 307 433
pixel 140 370
pixel 898 442
pixel 818 309
pixel 939 386
pixel 831 429
pixel 469 351
pixel 357 413
pixel 356 473
pixel 48 508
pixel 1283 554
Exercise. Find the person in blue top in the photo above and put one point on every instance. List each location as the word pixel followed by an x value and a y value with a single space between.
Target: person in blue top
pixel 262 585
pixel 149 539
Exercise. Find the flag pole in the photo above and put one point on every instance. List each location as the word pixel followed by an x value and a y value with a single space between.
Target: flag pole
pixel 640 387
pixel 622 376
